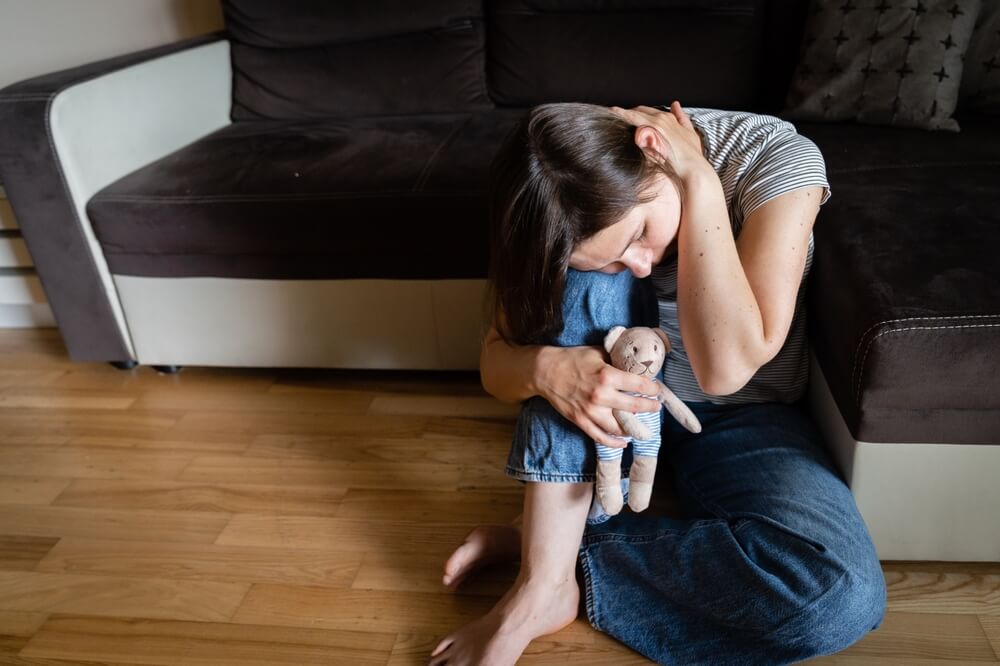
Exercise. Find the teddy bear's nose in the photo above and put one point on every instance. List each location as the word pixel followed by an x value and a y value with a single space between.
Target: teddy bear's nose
pixel 647 363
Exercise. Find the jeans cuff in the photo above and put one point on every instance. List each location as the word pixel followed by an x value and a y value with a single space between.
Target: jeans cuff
pixel 525 475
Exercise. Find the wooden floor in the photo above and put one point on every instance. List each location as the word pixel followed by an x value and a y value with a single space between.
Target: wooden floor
pixel 255 516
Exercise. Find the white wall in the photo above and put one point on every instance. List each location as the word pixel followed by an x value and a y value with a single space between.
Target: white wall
pixel 41 36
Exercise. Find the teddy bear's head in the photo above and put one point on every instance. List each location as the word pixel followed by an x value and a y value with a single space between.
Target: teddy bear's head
pixel 639 350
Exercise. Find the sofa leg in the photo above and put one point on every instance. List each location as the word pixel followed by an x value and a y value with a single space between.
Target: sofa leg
pixel 125 365
pixel 168 369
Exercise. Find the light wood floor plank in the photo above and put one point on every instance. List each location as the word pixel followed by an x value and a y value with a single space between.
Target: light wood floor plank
pixel 209 562
pixel 80 422
pixel 462 406
pixel 450 450
pixel 344 534
pixel 102 377
pixel 431 505
pixel 194 400
pixel 53 398
pixel 16 627
pixel 139 525
pixel 925 635
pixel 440 427
pixel 935 592
pixel 991 626
pixel 193 496
pixel 191 442
pixel 31 489
pixel 120 596
pixel 113 640
pixel 94 463
pixel 357 474
pixel 25 378
pixel 342 425
pixel 23 553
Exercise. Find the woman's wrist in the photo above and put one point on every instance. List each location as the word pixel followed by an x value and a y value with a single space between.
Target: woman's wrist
pixel 697 175
pixel 539 382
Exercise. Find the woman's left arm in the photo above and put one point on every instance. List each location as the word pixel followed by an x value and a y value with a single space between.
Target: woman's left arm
pixel 736 298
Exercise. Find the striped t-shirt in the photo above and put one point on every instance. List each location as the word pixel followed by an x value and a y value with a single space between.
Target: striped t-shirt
pixel 757 158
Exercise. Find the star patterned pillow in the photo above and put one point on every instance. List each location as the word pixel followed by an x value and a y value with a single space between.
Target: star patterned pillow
pixel 981 80
pixel 882 62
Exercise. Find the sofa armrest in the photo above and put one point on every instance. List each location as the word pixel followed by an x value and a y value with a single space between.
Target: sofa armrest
pixel 64 136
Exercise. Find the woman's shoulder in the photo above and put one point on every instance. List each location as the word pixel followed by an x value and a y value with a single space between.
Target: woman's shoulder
pixel 734 136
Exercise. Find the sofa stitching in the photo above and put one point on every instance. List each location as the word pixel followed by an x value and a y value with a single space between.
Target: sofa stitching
pixel 861 340
pixel 857 397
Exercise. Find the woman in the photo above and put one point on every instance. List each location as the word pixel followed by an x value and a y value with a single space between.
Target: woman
pixel 771 561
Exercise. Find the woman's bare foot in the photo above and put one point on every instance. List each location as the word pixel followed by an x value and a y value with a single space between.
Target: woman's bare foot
pixel 528 610
pixel 486 544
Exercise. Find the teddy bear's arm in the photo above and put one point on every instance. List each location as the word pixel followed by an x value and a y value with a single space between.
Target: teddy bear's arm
pixel 678 409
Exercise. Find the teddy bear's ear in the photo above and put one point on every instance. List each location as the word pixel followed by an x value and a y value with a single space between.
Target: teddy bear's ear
pixel 663 336
pixel 612 337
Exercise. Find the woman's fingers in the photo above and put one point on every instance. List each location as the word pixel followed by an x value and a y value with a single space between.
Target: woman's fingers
pixel 607 433
pixel 681 116
pixel 635 404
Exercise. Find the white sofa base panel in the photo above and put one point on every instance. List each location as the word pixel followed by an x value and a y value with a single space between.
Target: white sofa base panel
pixel 920 501
pixel 399 324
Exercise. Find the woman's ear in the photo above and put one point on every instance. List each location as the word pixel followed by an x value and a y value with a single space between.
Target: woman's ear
pixel 612 337
pixel 648 137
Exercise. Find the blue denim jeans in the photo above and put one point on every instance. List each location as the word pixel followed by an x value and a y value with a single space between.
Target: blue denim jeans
pixel 771 562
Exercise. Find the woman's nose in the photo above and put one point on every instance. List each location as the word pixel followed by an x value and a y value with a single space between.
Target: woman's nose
pixel 639 261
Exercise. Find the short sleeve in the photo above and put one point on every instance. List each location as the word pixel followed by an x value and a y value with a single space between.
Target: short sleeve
pixel 787 161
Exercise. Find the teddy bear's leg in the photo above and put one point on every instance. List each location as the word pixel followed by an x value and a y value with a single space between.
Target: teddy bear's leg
pixel 641 477
pixel 609 473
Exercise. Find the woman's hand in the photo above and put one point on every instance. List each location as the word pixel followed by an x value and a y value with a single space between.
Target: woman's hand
pixel 683 141
pixel 584 388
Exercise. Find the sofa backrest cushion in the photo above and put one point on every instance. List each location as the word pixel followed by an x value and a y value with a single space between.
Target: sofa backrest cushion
pixel 625 52
pixel 298 59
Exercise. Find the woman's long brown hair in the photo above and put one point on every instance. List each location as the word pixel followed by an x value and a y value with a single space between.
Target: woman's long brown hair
pixel 563 173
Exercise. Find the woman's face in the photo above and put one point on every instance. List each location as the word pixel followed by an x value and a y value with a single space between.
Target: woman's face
pixel 638 241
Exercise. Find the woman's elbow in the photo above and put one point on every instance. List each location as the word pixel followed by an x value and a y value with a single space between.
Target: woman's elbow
pixel 724 379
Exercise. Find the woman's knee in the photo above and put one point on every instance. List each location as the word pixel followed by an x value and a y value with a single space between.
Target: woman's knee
pixel 594 302
pixel 841 617
pixel 832 599
pixel 548 447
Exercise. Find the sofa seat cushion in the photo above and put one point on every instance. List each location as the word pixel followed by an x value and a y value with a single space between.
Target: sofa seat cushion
pixel 392 197
pixel 904 292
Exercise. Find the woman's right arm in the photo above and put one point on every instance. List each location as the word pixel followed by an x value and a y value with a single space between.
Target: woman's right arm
pixel 576 381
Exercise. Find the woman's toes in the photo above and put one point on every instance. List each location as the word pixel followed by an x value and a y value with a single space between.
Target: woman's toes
pixel 474 548
pixel 437 655
pixel 457 562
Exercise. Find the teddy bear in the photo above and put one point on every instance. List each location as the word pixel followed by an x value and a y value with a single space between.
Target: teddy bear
pixel 640 350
